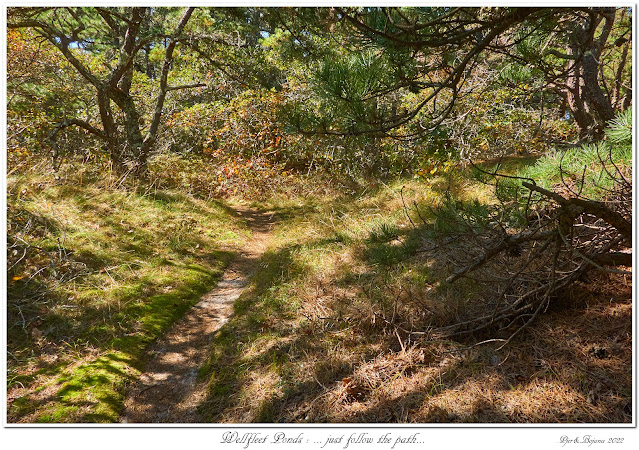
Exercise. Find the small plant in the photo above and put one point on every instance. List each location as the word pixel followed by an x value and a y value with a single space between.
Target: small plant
pixel 384 232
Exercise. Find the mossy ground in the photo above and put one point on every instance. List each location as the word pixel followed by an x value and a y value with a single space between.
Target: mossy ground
pixel 107 269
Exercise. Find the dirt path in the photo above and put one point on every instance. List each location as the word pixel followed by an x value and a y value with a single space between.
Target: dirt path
pixel 169 391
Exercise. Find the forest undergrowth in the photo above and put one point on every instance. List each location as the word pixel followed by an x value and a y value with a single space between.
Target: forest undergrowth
pixel 98 268
pixel 453 213
pixel 339 323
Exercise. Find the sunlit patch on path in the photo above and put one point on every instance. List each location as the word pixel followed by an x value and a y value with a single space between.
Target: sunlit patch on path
pixel 169 390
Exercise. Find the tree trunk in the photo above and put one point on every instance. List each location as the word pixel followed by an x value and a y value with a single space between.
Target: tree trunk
pixel 574 96
pixel 111 140
pixel 599 104
pixel 589 105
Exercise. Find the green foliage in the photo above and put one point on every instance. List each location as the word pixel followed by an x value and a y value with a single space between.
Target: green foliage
pixel 353 77
pixel 620 130
pixel 270 73
pixel 516 74
pixel 42 89
pixel 590 169
pixel 455 216
pixel 384 232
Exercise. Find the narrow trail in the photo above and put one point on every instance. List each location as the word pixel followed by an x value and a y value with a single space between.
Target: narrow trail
pixel 169 391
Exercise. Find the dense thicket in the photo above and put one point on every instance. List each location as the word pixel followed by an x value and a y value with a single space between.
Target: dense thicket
pixel 572 59
pixel 374 89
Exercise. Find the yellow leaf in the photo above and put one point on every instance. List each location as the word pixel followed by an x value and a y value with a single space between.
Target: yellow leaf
pixel 16 278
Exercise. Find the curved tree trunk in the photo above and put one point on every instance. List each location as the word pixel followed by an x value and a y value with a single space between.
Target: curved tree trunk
pixel 590 107
pixel 128 148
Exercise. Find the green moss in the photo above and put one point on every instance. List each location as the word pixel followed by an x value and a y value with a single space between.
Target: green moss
pixel 127 265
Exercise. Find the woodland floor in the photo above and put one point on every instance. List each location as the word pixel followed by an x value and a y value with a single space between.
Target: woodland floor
pixel 169 390
pixel 305 319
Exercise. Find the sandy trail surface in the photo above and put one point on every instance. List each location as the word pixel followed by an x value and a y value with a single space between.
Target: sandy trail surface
pixel 169 390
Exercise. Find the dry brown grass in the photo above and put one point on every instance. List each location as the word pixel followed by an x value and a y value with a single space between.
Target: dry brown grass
pixel 553 374
pixel 324 336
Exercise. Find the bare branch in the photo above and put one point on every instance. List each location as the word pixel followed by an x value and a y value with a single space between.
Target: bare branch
pixel 168 59
pixel 77 122
pixel 597 209
pixel 185 86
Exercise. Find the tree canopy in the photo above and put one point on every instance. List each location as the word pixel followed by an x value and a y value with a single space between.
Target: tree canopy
pixel 411 75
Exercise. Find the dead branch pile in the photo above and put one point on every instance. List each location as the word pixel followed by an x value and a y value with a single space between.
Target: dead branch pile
pixel 565 235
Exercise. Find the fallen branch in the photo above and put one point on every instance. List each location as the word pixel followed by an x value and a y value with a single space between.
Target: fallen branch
pixel 597 209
